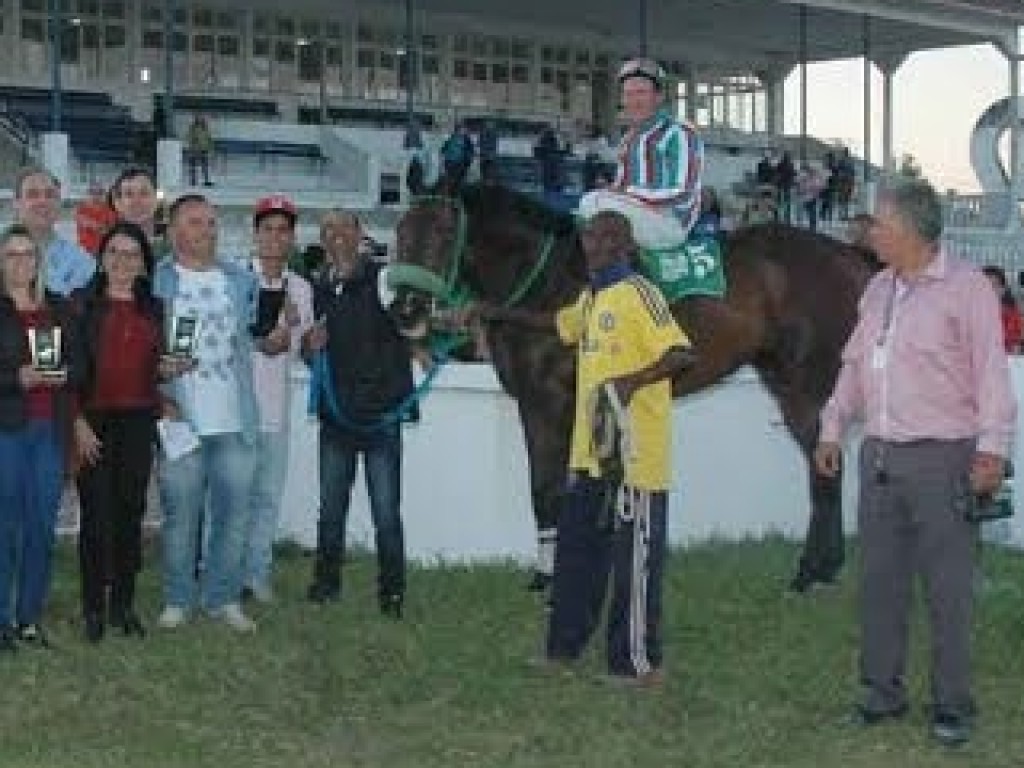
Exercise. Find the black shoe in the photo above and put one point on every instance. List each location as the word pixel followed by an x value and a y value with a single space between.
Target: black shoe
pixel 803 582
pixel 539 581
pixel 951 730
pixel 8 643
pixel 391 605
pixel 866 716
pixel 319 592
pixel 246 595
pixel 93 628
pixel 33 636
pixel 132 626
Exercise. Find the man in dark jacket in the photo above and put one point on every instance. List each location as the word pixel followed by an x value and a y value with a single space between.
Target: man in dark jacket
pixel 362 375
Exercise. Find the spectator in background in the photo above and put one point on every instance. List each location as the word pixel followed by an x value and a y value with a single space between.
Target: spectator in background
pixel 457 155
pixel 66 266
pixel 122 340
pixel 35 418
pixel 785 180
pixel 764 174
pixel 213 402
pixel 548 154
pixel 284 313
pixel 198 148
pixel 709 221
pixel 93 217
pixel 488 152
pixel 809 184
pixel 846 180
pixel 831 188
pixel 1013 325
pixel 134 198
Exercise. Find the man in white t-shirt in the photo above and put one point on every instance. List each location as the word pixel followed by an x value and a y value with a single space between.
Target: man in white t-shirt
pixel 285 312
pixel 215 399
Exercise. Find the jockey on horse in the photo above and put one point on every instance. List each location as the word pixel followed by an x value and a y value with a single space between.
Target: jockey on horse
pixel 661 162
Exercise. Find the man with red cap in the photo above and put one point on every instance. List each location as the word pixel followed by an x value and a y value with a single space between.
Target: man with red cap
pixel 285 312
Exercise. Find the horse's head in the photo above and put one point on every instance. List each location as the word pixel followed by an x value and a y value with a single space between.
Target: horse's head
pixel 430 241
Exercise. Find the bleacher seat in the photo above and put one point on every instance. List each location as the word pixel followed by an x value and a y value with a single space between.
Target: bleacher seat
pixel 223 105
pixel 380 118
pixel 99 131
pixel 270 149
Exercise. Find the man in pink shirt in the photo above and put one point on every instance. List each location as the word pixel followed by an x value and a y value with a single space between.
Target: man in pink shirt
pixel 925 371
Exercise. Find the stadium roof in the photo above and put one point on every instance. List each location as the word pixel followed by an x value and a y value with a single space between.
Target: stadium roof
pixel 746 33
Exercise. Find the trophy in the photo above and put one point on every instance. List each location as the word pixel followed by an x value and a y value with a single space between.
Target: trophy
pixel 44 346
pixel 182 341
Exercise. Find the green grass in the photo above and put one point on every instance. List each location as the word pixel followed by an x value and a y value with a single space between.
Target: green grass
pixel 755 678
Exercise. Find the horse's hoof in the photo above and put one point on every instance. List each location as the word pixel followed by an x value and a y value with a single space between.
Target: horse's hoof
pixel 539 582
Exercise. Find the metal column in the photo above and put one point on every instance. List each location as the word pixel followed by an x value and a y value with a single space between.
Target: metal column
pixel 56 37
pixel 169 10
pixel 803 86
pixel 1013 212
pixel 868 68
pixel 411 65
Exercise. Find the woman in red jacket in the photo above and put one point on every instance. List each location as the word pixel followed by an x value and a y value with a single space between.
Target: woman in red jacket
pixel 122 339
pixel 1013 324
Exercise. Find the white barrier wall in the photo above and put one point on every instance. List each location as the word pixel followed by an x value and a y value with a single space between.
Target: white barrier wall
pixel 466 492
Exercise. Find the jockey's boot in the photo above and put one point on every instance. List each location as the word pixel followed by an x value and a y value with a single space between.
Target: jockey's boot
pixel 326 586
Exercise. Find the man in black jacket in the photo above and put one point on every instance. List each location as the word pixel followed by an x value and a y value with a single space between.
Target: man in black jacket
pixel 362 375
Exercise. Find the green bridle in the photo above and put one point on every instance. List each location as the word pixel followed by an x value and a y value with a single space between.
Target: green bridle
pixel 451 291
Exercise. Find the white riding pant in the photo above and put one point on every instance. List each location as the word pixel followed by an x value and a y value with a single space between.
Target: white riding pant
pixel 652 228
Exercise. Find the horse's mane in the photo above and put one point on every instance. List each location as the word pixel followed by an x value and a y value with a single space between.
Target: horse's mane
pixel 495 200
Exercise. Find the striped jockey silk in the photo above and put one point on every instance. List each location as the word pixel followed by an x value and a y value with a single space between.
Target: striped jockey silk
pixel 661 163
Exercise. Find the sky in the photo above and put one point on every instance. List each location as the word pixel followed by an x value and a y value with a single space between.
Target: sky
pixel 937 97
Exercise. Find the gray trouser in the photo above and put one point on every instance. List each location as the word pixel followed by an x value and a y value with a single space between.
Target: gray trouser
pixel 913 500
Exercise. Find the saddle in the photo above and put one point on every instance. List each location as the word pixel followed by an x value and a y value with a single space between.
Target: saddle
pixel 692 268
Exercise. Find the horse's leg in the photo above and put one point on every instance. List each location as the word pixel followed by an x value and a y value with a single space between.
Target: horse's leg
pixel 546 428
pixel 823 552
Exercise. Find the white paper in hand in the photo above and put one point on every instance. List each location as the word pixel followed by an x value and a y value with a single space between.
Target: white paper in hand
pixel 177 438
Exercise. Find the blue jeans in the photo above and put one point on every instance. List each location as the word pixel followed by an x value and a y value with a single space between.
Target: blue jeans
pixel 31 480
pixel 382 465
pixel 271 459
pixel 219 475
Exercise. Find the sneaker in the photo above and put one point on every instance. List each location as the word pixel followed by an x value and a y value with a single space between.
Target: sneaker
pixel 33 636
pixel 951 730
pixel 172 617
pixel 263 595
pixel 231 614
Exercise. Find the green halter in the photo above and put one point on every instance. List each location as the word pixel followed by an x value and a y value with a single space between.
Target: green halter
pixel 452 291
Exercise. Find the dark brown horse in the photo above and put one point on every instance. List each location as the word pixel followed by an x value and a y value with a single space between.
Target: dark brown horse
pixel 790 305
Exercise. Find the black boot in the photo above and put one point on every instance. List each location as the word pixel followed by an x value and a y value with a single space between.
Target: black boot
pixel 326 586
pixel 122 607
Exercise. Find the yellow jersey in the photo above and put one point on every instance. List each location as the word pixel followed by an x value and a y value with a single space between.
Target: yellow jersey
pixel 619 330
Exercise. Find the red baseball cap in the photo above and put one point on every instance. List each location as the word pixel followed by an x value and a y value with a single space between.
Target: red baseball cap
pixel 278 204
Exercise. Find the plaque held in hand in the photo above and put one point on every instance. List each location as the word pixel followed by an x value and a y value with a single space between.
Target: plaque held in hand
pixel 182 341
pixel 45 347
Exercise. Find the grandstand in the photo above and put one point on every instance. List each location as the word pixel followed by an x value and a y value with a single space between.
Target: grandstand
pixel 314 102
